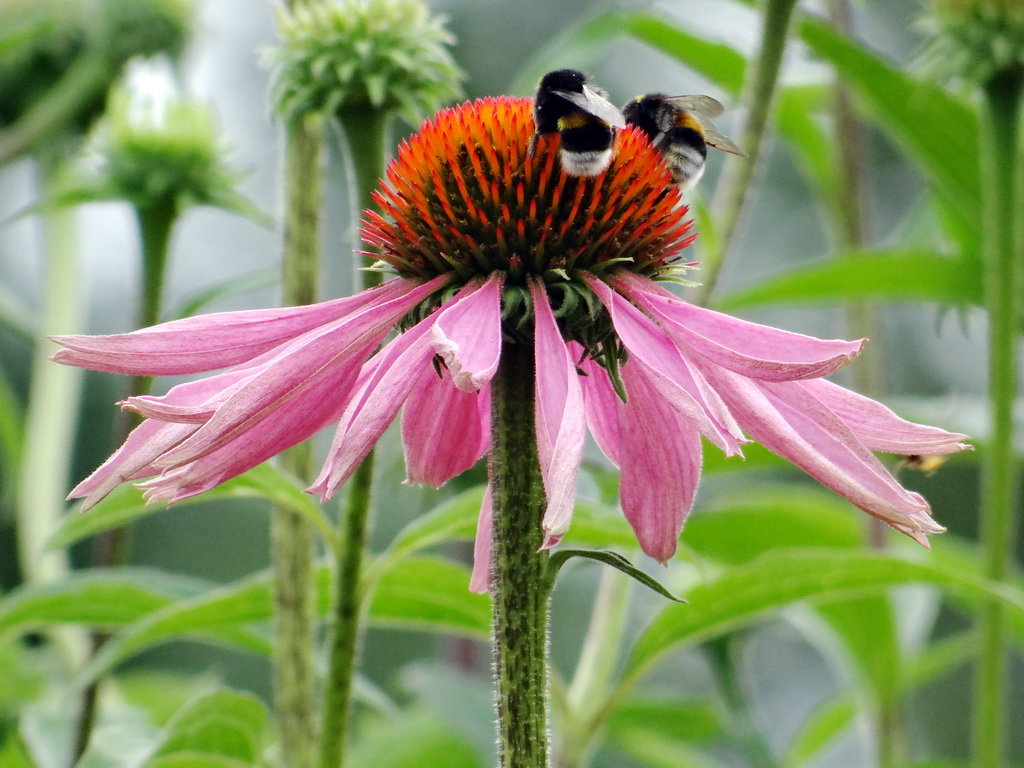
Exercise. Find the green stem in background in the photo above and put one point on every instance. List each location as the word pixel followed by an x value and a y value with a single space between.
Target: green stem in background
pixel 292 540
pixel 365 148
pixel 111 546
pixel 520 592
pixel 745 733
pixel 52 414
pixel 1004 290
pixel 731 195
pixel 595 670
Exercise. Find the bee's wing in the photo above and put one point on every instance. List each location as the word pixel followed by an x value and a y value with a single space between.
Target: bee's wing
pixel 704 106
pixel 597 105
pixel 715 139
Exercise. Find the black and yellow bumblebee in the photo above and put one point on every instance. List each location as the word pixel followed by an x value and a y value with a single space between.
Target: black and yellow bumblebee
pixel 681 128
pixel 567 103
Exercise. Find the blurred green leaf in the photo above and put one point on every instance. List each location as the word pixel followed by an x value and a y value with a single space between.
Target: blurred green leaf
pixel 220 728
pixel 821 728
pixel 430 594
pixel 799 121
pixel 616 561
pixel 741 595
pixel 105 598
pixel 425 593
pixel 737 527
pixel 126 503
pixel 418 739
pixel 452 520
pixel 599 525
pixel 890 274
pixel 687 721
pixel 937 130
pixel 867 628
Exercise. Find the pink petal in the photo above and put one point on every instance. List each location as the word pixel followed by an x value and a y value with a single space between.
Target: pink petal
pixel 384 384
pixel 661 462
pixel 602 406
pixel 207 342
pixel 480 580
pixel 750 349
pixel 560 423
pixel 468 336
pixel 788 420
pixel 879 428
pixel 445 430
pixel 678 381
pixel 148 441
pixel 315 371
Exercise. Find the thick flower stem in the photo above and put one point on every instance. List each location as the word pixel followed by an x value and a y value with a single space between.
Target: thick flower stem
pixel 292 537
pixel 519 590
pixel 1004 286
pixel 731 195
pixel 365 148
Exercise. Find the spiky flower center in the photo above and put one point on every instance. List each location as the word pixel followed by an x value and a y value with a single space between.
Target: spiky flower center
pixel 465 197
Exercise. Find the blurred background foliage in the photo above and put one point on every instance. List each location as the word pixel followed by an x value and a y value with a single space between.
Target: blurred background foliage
pixel 774 681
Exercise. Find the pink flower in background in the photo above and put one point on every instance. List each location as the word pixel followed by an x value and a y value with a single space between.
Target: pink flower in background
pixel 492 247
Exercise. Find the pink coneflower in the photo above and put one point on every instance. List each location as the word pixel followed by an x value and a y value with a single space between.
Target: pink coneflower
pixel 491 247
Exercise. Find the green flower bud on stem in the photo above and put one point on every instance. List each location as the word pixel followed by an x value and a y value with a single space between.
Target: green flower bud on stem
pixel 974 40
pixel 381 55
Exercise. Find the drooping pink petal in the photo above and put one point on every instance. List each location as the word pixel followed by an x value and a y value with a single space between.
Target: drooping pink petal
pixel 445 430
pixel 315 371
pixel 559 418
pixel 468 336
pixel 661 462
pixel 602 406
pixel 787 420
pixel 384 385
pixel 750 349
pixel 879 428
pixel 480 580
pixel 678 381
pixel 148 441
pixel 218 340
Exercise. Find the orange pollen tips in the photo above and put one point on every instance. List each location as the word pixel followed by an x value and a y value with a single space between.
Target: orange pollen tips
pixel 466 197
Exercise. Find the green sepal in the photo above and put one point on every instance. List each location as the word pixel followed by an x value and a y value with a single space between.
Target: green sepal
pixel 615 560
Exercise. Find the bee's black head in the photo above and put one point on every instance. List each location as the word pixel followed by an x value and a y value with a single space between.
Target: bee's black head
pixel 645 112
pixel 563 80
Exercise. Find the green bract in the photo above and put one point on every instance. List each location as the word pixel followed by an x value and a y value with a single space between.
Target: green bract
pixel 385 55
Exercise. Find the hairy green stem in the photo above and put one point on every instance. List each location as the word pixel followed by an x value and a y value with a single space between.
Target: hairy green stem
pixel 292 542
pixel 595 670
pixel 1004 287
pixel 520 592
pixel 365 148
pixel 731 195
pixel 346 602
pixel 52 414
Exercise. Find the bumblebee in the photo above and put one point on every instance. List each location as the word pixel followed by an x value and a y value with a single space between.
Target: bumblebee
pixel 568 104
pixel 681 128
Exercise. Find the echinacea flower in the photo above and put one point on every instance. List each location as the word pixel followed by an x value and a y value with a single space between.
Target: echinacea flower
pixel 491 245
